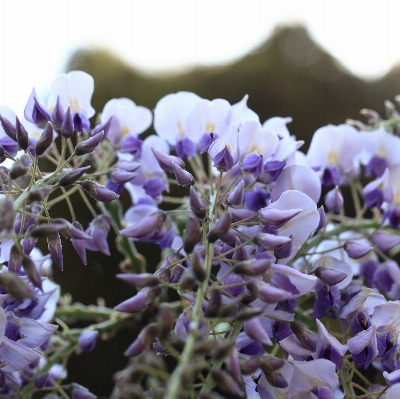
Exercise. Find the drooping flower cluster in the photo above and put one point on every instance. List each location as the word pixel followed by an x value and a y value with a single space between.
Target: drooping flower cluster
pixel 281 294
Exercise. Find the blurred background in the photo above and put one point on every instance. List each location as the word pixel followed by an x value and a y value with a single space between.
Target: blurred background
pixel 319 62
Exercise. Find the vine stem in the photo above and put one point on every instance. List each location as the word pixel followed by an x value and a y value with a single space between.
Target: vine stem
pixel 175 383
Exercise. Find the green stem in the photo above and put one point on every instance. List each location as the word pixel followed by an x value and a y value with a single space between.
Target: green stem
pixel 174 388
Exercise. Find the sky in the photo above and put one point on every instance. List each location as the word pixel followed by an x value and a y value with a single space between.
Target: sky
pixel 38 36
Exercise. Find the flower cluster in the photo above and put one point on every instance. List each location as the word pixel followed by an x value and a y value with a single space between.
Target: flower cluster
pixel 266 288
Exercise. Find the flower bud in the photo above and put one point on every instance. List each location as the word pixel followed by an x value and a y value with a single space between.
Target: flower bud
pixel 9 128
pixel 214 303
pixel 41 380
pixel 276 218
pixel 143 341
pixel 196 205
pixel 32 272
pixel 139 301
pixel 240 214
pixel 73 176
pixel 2 154
pixel 304 335
pixel 271 294
pixel 182 177
pixel 98 192
pixel 89 145
pixel 28 242
pixel 197 267
pixel 322 218
pixel 330 276
pixel 55 248
pixel 236 196
pixel 20 167
pixel 45 141
pixel 252 267
pixel 139 280
pixel 67 127
pixel 79 245
pixel 120 176
pixel 385 241
pixel 15 286
pixel 22 134
pixel 80 392
pixel 87 340
pixel 7 215
pixel 221 228
pixel 248 313
pixel 284 250
pixel 254 329
pixel 165 161
pixel 15 260
pixel 105 127
pixel 57 116
pixel 250 365
pixel 187 281
pixel 146 227
pixel 45 229
pixel 227 384
pixel 192 234
pixel 270 241
pixel 356 250
pixel 39 193
pixel 334 200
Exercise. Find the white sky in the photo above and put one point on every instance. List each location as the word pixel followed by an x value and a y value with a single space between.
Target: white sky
pixel 37 36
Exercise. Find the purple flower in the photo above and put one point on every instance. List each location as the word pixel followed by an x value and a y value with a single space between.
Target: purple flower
pixel 87 340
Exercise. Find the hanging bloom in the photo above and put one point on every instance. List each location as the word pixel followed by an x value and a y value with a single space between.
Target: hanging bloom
pixel 74 90
pixel 334 151
pixel 170 115
pixel 128 119
pixel 224 151
pixel 206 121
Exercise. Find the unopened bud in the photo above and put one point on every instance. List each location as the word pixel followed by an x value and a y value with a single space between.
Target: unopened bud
pixel 197 267
pixel 236 196
pixel 22 135
pixel 214 304
pixel 255 330
pixel 304 335
pixel 120 176
pixel 183 177
pixel 252 267
pixel 165 161
pixel 8 128
pixel 143 341
pixel 270 241
pixel 196 205
pixel 385 241
pixel 20 167
pixel 139 280
pixel 39 193
pixel 57 116
pixel 15 286
pixel 73 176
pixel 356 250
pixel 334 200
pixel 192 234
pixel 146 227
pixel 248 313
pixel 284 250
pixel 15 260
pixel 330 276
pixel 276 218
pixel 89 145
pixel 251 365
pixel 227 384
pixel 87 340
pixel 221 228
pixel 45 140
pixel 67 127
pixel 98 192
pixel 271 294
pixel 55 248
pixel 322 218
pixel 32 272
